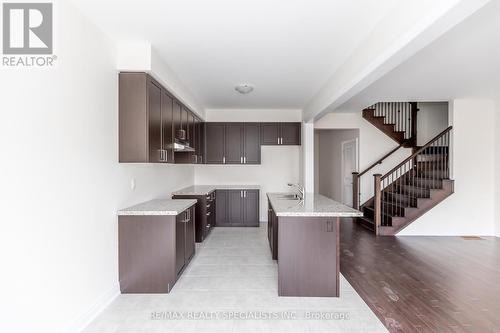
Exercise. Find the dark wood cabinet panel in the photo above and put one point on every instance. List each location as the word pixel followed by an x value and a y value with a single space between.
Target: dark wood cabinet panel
pixel 235 207
pixel 272 232
pixel 214 145
pixel 290 133
pixel 167 126
pixel 180 240
pixel 154 111
pixel 251 208
pixel 204 214
pixel 221 202
pixel 273 134
pixel 308 257
pixel 144 120
pixel 191 135
pixel 177 120
pixel 154 250
pixel 233 143
pixel 269 134
pixel 190 236
pixel 251 140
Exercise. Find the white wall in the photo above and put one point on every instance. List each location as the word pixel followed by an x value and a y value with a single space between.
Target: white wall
pixel 497 168
pixel 279 164
pixel 256 115
pixel 142 57
pixel 432 119
pixel 329 178
pixel 63 185
pixel 471 209
pixel 373 144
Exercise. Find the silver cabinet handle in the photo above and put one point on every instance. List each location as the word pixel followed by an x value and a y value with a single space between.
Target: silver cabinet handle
pixel 224 160
pixel 208 214
pixel 185 221
pixel 166 156
pixel 278 140
pixel 241 160
pixel 244 160
pixel 208 206
pixel 241 194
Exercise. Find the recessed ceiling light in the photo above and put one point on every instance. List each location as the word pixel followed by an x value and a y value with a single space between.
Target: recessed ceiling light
pixel 244 88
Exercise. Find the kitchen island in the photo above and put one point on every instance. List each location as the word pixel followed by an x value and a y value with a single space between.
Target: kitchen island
pixel 304 238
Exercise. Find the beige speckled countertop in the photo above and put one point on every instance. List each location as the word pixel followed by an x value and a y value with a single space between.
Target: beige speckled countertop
pixel 158 207
pixel 313 205
pixel 206 189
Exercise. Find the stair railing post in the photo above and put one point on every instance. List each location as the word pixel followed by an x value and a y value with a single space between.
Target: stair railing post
pixel 377 204
pixel 414 110
pixel 355 190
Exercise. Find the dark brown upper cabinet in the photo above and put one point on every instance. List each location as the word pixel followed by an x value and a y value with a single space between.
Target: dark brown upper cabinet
pixel 179 134
pixel 275 134
pixel 233 148
pixel 214 143
pixel 251 143
pixel 232 143
pixel 145 120
pixel 167 104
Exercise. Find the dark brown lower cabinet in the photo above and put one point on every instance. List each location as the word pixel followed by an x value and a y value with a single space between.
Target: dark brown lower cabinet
pixel 237 208
pixel 308 256
pixel 204 212
pixel 153 251
pixel 272 231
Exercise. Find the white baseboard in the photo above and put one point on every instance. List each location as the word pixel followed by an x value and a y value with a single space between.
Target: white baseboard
pixel 99 305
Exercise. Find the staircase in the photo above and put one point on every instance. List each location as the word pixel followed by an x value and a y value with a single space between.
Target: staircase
pixel 415 185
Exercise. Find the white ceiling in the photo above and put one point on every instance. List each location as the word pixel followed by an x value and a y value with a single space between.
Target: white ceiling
pixel 464 63
pixel 287 48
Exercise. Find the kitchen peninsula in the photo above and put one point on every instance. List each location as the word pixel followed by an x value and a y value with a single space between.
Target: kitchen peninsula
pixel 304 237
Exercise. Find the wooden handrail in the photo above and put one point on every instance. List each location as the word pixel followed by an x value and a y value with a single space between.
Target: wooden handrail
pixel 421 149
pixel 380 160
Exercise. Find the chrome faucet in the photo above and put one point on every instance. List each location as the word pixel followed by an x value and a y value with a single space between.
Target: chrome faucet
pixel 299 188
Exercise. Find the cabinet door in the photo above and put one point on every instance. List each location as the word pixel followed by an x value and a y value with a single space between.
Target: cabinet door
pixel 251 208
pixel 251 143
pixel 167 126
pixel 234 143
pixel 177 119
pixel 154 110
pixel 191 131
pixel 290 133
pixel 221 202
pixel 235 208
pixel 201 142
pixel 190 235
pixel 214 143
pixel 180 242
pixel 269 134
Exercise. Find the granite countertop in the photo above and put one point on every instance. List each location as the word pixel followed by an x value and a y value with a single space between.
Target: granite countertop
pixel 313 205
pixel 159 207
pixel 206 189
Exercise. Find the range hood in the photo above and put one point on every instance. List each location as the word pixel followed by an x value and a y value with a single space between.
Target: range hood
pixel 180 144
pixel 182 147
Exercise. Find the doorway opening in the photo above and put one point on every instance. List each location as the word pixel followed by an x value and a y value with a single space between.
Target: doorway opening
pixel 336 157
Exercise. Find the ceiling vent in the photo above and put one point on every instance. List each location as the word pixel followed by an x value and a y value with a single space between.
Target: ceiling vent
pixel 244 88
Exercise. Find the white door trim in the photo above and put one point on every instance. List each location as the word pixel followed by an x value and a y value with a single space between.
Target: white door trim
pixel 342 176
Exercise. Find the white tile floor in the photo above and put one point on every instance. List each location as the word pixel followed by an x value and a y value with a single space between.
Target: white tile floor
pixel 232 272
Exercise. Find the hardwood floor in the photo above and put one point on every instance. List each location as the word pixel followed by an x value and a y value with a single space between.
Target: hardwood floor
pixel 424 284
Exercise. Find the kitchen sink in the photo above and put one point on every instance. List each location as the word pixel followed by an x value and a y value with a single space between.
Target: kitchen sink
pixel 289 197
